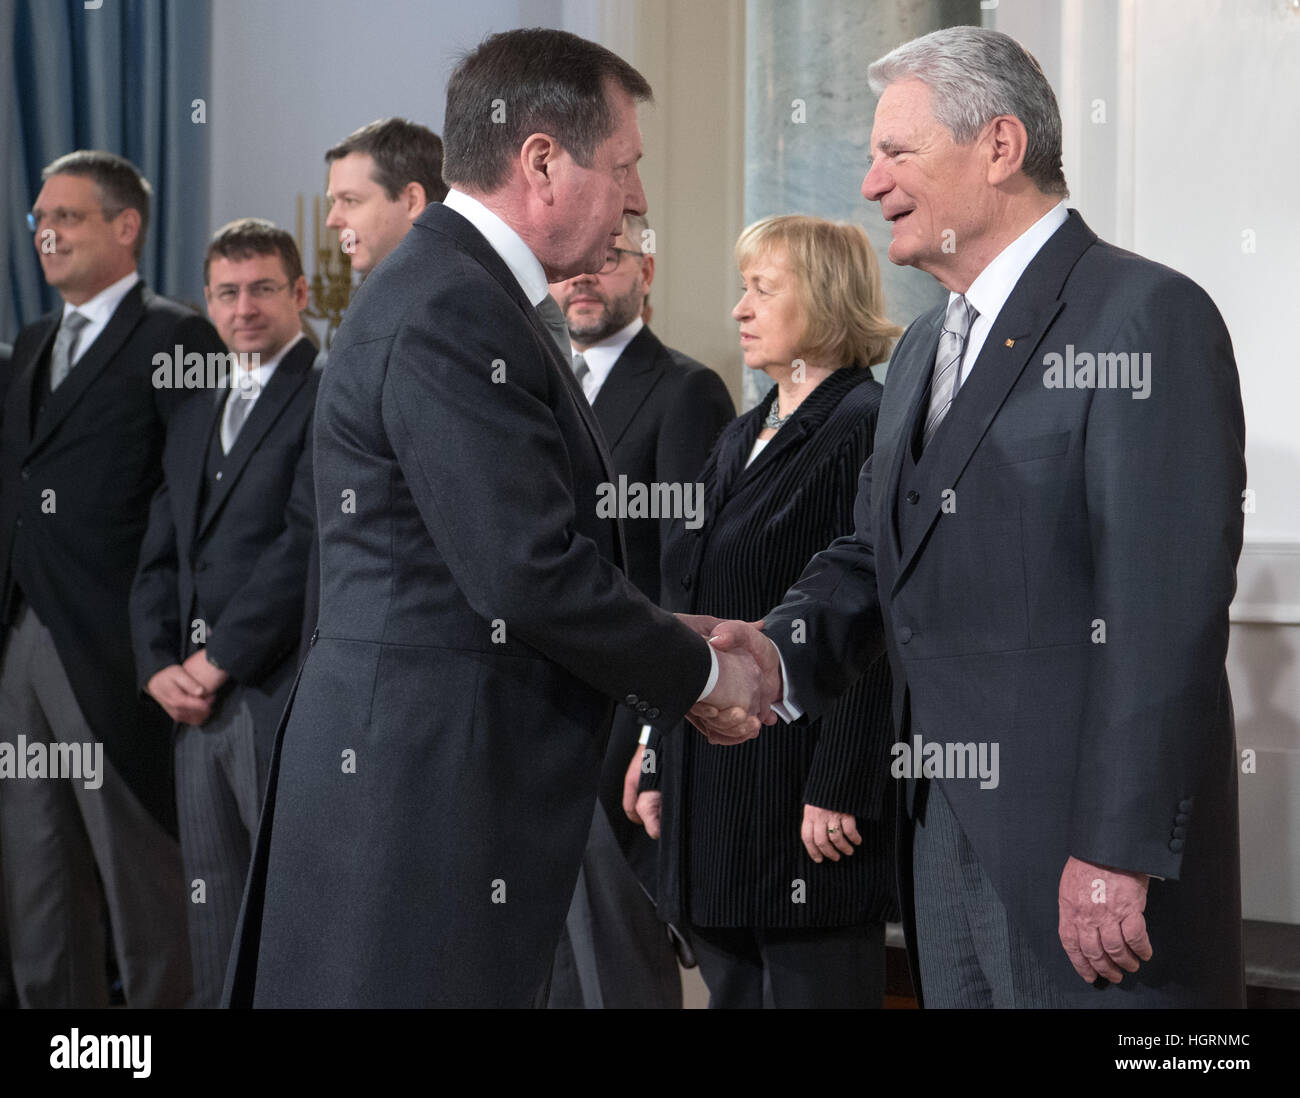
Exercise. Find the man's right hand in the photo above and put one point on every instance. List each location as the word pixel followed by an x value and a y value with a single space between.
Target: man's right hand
pixel 749 684
pixel 178 692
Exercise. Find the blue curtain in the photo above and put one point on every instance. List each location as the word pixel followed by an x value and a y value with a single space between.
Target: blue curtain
pixel 122 76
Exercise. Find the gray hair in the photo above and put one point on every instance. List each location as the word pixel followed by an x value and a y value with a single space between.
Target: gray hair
pixel 974 75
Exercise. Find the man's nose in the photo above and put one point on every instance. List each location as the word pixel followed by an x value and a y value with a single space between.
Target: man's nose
pixel 634 201
pixel 875 184
pixel 332 219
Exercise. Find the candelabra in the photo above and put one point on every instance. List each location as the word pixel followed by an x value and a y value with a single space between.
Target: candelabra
pixel 330 280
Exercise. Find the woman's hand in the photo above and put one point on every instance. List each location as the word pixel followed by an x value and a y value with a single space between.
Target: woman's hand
pixel 641 808
pixel 828 834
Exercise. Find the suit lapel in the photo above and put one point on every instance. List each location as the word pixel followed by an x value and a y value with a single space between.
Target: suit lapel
pixel 207 415
pixel 91 364
pixel 1022 323
pixel 895 428
pixel 629 382
pixel 20 391
pixel 280 390
pixel 443 220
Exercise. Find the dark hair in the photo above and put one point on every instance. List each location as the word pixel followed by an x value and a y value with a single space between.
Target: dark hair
pixel 523 82
pixel 403 152
pixel 250 236
pixel 120 184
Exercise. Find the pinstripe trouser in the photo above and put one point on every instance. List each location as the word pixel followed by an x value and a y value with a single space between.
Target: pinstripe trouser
pixel 219 789
pixel 970 955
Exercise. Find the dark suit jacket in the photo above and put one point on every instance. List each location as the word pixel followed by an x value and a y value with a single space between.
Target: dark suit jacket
pixel 1072 506
pixel 660 412
pixel 240 563
pixel 433 787
pixel 98 447
pixel 731 815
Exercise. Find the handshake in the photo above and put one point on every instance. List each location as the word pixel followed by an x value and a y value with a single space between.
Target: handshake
pixel 749 680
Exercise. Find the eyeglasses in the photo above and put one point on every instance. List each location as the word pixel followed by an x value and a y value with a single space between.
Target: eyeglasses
pixel 614 258
pixel 63 218
pixel 258 291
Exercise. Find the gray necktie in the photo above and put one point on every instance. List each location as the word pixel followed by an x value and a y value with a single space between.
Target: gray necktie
pixel 238 404
pixel 947 364
pixel 581 371
pixel 65 346
pixel 555 323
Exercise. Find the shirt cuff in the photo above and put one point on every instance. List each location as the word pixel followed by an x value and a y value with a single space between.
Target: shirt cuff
pixel 787 708
pixel 713 675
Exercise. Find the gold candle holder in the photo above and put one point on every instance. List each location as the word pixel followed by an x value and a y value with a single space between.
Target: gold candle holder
pixel 329 284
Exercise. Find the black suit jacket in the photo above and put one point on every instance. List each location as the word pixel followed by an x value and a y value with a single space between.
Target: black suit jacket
pixel 1071 510
pixel 730 828
pixel 97 448
pixel 660 412
pixel 433 786
pixel 239 563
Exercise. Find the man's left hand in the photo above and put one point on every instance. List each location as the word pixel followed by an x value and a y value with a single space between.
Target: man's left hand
pixel 1102 926
pixel 210 678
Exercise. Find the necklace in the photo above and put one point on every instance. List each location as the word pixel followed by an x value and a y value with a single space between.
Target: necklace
pixel 774 420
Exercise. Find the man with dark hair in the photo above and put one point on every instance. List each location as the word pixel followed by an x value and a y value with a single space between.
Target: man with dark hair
pixel 661 413
pixel 380 179
pixel 80 457
pixel 218 598
pixel 434 783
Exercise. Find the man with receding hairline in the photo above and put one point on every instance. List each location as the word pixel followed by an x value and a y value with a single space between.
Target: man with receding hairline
pixel 80 445
pixel 435 778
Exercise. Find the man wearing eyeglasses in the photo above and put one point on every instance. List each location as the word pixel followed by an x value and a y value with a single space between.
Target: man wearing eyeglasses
pixel 80 447
pixel 217 605
pixel 661 412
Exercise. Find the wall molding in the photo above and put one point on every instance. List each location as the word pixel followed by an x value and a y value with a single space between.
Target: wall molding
pixel 1268 583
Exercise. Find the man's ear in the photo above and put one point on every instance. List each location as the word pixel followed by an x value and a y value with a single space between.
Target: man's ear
pixel 414 198
pixel 538 156
pixel 128 226
pixel 1007 143
pixel 647 271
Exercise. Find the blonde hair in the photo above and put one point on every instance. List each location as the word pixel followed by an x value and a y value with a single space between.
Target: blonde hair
pixel 837 281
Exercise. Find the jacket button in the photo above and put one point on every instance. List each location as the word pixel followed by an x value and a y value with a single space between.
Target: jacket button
pixel 686 582
pixel 904 635
pixel 1181 818
pixel 18 523
pixel 913 496
pixel 27 473
pixel 631 699
pixel 314 634
pixel 641 707
pixel 1176 845
pixel 1180 832
pixel 652 712
pixel 1184 806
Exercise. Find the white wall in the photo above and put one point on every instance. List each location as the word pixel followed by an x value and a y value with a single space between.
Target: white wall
pixel 291 78
pixel 1192 161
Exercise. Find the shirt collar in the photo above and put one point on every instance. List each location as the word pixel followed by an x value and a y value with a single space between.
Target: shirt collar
pixel 507 243
pixel 989 292
pixel 600 357
pixel 261 373
pixel 104 304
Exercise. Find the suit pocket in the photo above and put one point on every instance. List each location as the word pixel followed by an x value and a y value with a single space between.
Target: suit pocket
pixel 1012 451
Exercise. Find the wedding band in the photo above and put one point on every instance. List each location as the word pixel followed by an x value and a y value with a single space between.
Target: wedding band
pixel 831 830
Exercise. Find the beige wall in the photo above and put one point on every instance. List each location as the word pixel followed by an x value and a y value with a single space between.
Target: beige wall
pixel 693 54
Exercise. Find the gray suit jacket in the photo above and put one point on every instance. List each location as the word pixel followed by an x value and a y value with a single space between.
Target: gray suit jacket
pixel 1071 508
pixel 433 786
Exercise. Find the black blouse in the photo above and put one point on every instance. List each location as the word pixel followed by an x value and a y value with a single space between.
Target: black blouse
pixel 731 853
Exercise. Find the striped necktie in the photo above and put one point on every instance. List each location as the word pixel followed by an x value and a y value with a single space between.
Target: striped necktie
pixel 65 346
pixel 947 363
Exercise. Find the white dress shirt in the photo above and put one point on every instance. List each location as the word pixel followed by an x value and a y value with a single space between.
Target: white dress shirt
pixel 247 385
pixel 99 310
pixel 988 293
pixel 600 357
pixel 990 290
pixel 527 269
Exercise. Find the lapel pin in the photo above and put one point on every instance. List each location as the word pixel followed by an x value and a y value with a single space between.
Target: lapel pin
pixel 1011 342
